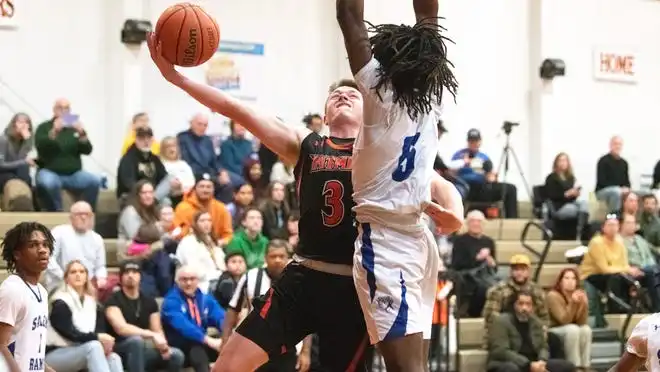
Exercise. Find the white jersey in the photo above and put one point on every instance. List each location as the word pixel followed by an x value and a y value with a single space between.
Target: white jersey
pixel 644 341
pixel 393 156
pixel 25 307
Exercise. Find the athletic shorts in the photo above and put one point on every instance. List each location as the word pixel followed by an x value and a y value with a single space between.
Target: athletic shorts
pixel 396 276
pixel 303 302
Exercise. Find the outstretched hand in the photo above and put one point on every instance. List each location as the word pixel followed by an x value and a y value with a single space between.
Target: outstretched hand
pixel 165 67
pixel 445 220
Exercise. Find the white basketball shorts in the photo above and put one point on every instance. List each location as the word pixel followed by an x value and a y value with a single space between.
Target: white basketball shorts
pixel 396 276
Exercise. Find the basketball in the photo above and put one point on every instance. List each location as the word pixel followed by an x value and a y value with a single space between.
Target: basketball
pixel 188 34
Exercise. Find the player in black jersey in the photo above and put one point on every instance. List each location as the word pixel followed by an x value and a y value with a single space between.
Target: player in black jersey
pixel 315 293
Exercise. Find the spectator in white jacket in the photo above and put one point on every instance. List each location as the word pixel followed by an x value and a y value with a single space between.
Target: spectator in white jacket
pixel 169 155
pixel 200 250
pixel 282 173
pixel 77 241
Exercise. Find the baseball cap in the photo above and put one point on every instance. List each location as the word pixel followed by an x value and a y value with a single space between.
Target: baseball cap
pixel 129 265
pixel 520 259
pixel 474 135
pixel 203 177
pixel 144 132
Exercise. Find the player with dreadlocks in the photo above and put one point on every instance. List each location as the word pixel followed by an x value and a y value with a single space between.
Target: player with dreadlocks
pixel 23 301
pixel 402 72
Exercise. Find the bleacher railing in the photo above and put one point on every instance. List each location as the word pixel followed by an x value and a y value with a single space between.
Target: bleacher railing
pixel 546 236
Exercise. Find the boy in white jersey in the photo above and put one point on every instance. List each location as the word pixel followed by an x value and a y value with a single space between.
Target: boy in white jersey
pixel 23 301
pixel 642 348
pixel 402 72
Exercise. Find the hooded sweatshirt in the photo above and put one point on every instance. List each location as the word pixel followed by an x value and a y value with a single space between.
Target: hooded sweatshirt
pixel 136 165
pixel 220 217
pixel 13 152
pixel 254 250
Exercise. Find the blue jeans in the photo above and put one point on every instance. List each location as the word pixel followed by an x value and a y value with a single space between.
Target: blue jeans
pixel 89 356
pixel 140 355
pixel 50 185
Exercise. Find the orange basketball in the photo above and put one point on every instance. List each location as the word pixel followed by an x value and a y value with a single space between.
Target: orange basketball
pixel 189 36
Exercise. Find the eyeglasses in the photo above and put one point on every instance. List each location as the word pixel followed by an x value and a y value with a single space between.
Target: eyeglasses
pixel 187 278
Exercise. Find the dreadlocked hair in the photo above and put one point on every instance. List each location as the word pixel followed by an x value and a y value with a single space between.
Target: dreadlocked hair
pixel 413 61
pixel 18 237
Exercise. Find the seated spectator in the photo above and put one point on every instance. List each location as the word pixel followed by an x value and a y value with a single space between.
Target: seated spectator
pixel 156 265
pixel 234 151
pixel 200 198
pixel 60 144
pixel 135 324
pixel 500 297
pixel 236 267
pixel 569 312
pixel 292 230
pixel 139 163
pixel 139 120
pixel 516 341
pixel 255 283
pixel 243 198
pixel 77 241
pixel 275 211
pixel 649 222
pixel 198 151
pixel 176 168
pixel 606 257
pixel 15 162
pixel 200 250
pixel 640 256
pixel 171 232
pixel 612 179
pixel 187 314
pixel 249 241
pixel 77 338
pixel 470 251
pixel 629 204
pixel 562 189
pixel 282 173
pixel 476 169
pixel 141 209
pixel 253 175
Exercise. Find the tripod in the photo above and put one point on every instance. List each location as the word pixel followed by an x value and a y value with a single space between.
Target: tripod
pixel 509 152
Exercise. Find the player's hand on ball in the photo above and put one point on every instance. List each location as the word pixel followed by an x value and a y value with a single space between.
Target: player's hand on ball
pixel 166 68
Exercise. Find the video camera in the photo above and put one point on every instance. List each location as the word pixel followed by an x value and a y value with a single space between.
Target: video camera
pixel 507 127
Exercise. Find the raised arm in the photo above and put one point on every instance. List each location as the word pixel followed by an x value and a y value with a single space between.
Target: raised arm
pixel 350 15
pixel 283 139
pixel 426 10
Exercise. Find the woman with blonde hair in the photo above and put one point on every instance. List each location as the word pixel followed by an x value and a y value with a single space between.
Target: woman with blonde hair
pixel 76 338
pixel 563 190
pixel 200 249
pixel 569 310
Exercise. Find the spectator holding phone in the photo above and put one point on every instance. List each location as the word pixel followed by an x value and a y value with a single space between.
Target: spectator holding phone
pixel 15 162
pixel 562 189
pixel 60 143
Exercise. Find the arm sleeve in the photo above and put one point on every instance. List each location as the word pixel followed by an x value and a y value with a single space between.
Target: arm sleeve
pixel 637 342
pixel 11 310
pixel 366 80
pixel 61 318
pixel 238 297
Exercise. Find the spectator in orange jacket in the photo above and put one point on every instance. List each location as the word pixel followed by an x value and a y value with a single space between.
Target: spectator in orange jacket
pixel 200 198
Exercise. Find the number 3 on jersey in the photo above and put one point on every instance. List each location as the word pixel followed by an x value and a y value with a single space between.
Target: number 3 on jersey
pixel 333 191
pixel 406 164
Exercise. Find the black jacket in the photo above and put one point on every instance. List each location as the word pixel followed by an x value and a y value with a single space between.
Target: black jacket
pixel 136 165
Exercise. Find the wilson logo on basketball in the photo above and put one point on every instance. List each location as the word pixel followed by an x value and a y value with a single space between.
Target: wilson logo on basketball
pixel 191 50
pixel 7 8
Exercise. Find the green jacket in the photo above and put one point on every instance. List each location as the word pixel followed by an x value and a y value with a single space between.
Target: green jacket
pixel 254 251
pixel 650 226
pixel 504 341
pixel 61 154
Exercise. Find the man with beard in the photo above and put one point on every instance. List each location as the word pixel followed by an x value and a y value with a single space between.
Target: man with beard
pixel 256 282
pixel 516 342
pixel 499 298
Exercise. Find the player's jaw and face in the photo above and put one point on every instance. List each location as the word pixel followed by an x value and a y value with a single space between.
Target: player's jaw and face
pixel 33 257
pixel 344 107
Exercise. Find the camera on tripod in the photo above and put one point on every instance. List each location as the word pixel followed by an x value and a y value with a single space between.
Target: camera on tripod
pixel 507 127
